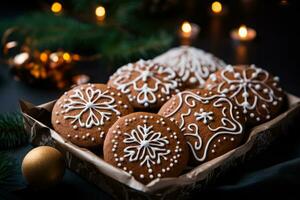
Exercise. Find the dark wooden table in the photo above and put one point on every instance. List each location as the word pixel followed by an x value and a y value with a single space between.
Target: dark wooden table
pixel 276 49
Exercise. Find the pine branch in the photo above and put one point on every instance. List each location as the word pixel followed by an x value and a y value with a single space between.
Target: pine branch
pixel 12 133
pixel 141 47
pixel 9 176
pixel 81 5
pixel 117 38
pixel 6 168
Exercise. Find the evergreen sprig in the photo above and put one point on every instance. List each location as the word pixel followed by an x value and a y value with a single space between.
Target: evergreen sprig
pixel 6 168
pixel 126 33
pixel 12 133
pixel 10 176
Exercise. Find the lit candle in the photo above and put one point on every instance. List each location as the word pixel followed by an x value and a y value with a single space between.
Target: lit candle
pixel 188 31
pixel 216 7
pixel 241 54
pixel 100 13
pixel 243 33
pixel 56 7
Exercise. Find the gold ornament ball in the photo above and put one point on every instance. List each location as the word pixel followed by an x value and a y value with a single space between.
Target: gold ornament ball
pixel 43 167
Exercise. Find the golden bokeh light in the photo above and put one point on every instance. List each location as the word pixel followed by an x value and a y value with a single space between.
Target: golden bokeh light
pixel 243 32
pixel 44 57
pixel 216 7
pixel 100 11
pixel 56 7
pixel 67 57
pixel 76 57
pixel 54 57
pixel 186 27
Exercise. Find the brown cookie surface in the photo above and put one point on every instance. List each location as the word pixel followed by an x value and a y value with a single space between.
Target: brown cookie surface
pixel 191 64
pixel 84 114
pixel 147 84
pixel 253 89
pixel 147 146
pixel 211 123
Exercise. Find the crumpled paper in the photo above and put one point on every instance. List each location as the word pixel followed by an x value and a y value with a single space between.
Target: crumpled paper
pixel 120 184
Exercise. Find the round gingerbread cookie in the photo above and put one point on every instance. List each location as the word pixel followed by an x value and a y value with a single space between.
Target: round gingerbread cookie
pixel 192 65
pixel 211 123
pixel 147 84
pixel 84 114
pixel 253 89
pixel 147 146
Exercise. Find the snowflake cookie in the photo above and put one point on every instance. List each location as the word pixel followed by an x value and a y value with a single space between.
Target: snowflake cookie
pixel 192 65
pixel 253 89
pixel 147 146
pixel 84 114
pixel 211 123
pixel 147 85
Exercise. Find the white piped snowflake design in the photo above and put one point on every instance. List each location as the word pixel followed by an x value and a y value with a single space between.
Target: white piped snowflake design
pixel 225 124
pixel 252 89
pixel 147 146
pixel 164 78
pixel 205 116
pixel 192 65
pixel 98 105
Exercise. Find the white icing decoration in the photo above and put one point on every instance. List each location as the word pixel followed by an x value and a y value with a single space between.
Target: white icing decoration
pixel 98 105
pixel 205 116
pixel 252 89
pixel 163 78
pixel 229 124
pixel 191 64
pixel 147 146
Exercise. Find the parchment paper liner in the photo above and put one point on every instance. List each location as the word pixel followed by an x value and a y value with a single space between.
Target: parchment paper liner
pixel 118 183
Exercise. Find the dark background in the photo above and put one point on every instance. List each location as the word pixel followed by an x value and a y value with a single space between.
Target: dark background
pixel 276 49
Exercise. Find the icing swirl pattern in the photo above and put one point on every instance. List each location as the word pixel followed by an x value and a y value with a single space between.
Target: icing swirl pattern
pixel 205 120
pixel 84 114
pixel 97 104
pixel 146 83
pixel 192 65
pixel 147 146
pixel 253 89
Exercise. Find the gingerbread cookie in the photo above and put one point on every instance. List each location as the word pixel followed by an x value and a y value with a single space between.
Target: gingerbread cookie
pixel 148 85
pixel 147 146
pixel 253 89
pixel 192 65
pixel 84 114
pixel 211 123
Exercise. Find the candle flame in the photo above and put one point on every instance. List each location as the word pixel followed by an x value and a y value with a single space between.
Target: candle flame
pixel 216 7
pixel 100 11
pixel 186 27
pixel 56 7
pixel 243 32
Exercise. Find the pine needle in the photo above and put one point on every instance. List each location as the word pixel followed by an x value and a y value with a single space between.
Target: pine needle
pixel 12 133
pixel 124 34
pixel 6 168
pixel 10 176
